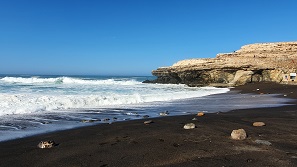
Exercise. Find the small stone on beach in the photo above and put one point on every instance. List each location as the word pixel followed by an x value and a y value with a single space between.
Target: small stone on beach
pixel 189 126
pixel 148 122
pixel 106 119
pixel 259 124
pixel 88 121
pixel 164 113
pixel 238 134
pixel 264 142
pixel 46 144
pixel 200 114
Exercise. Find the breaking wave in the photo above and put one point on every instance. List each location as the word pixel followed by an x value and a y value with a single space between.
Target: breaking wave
pixel 68 80
pixel 24 95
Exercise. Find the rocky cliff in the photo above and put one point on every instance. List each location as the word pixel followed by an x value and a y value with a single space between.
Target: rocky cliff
pixel 251 63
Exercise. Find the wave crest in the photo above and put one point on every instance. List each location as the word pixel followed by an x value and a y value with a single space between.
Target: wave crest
pixel 32 103
pixel 68 80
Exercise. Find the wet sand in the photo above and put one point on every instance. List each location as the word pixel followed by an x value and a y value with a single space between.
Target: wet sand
pixel 166 143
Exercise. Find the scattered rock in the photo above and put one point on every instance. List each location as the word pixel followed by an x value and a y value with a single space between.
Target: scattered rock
pixel 258 124
pixel 46 144
pixel 175 144
pixel 145 116
pixel 164 113
pixel 132 113
pixel 292 155
pixel 264 142
pixel 46 122
pixel 238 134
pixel 194 119
pixel 88 121
pixel 200 114
pixel 189 126
pixel 106 119
pixel 148 122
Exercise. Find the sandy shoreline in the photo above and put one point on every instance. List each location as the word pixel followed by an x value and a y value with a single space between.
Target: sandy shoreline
pixel 166 143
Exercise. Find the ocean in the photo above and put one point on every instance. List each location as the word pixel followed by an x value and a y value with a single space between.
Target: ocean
pixel 32 105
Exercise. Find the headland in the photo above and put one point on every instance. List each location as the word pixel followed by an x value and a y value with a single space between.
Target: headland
pixel 260 62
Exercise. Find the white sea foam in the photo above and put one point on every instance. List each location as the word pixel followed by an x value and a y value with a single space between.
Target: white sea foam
pixel 67 80
pixel 32 103
pixel 23 95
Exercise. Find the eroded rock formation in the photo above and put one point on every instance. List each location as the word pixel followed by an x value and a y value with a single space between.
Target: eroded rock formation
pixel 251 63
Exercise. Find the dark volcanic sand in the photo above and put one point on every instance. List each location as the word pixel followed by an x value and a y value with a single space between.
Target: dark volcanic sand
pixel 166 143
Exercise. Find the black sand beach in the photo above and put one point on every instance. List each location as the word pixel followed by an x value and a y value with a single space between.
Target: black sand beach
pixel 166 143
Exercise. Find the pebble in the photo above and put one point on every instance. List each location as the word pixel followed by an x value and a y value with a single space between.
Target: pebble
pixel 164 113
pixel 238 134
pixel 200 114
pixel 46 144
pixel 148 122
pixel 189 126
pixel 88 121
pixel 46 122
pixel 264 142
pixel 259 124
pixel 106 119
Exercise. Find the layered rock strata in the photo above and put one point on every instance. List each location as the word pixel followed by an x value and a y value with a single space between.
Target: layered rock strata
pixel 251 63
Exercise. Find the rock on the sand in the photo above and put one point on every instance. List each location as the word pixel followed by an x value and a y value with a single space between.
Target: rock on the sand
pixel 165 113
pixel 189 126
pixel 200 114
pixel 258 124
pixel 148 122
pixel 238 134
pixel 264 142
pixel 46 144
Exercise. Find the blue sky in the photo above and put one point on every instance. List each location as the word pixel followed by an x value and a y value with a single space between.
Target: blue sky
pixel 132 37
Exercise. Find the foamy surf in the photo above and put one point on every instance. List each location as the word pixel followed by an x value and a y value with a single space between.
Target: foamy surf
pixel 67 80
pixel 38 104
pixel 37 95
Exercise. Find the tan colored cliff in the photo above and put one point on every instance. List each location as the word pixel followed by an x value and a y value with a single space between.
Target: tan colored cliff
pixel 251 63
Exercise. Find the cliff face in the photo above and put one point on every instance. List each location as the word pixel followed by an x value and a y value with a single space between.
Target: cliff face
pixel 251 63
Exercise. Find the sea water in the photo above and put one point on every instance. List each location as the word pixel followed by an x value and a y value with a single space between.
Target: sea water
pixel 37 104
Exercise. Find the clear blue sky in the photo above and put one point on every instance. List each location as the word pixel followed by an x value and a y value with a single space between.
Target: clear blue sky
pixel 132 37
